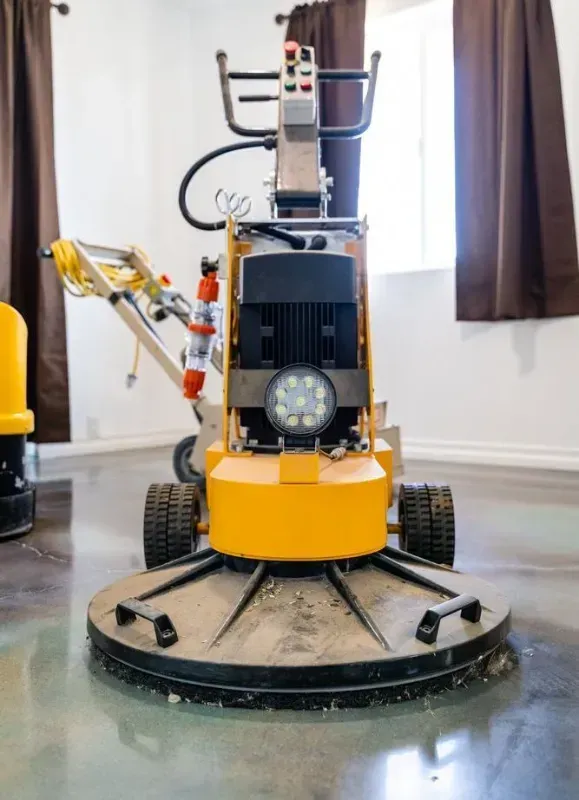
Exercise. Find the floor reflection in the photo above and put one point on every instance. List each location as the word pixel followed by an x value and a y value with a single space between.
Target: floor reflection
pixel 67 730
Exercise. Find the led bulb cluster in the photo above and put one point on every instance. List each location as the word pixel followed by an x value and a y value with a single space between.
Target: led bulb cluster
pixel 300 400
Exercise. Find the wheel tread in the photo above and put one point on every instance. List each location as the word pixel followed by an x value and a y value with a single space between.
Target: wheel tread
pixel 443 523
pixel 172 512
pixel 426 516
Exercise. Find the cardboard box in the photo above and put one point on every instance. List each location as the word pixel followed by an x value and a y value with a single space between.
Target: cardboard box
pixel 380 410
pixel 391 435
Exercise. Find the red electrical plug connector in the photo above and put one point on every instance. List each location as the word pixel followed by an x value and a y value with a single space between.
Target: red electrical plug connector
pixel 201 337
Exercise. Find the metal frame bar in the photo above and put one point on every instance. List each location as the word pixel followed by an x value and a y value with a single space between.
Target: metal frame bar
pixel 190 558
pixel 211 564
pixel 248 592
pixel 336 578
pixel 88 256
pixel 402 555
pixel 312 224
pixel 390 565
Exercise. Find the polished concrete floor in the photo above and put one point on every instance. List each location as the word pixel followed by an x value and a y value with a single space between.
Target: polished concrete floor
pixel 69 731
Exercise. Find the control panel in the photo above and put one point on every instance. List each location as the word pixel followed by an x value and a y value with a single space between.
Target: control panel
pixel 298 85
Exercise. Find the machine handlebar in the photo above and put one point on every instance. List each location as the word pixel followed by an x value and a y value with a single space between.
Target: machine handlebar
pixel 224 79
pixel 326 75
pixel 257 98
pixel 354 131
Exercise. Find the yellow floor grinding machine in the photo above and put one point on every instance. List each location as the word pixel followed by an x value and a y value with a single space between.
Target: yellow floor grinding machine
pixel 297 598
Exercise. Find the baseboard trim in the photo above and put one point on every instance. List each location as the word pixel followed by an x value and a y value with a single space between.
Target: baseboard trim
pixel 476 453
pixel 492 454
pixel 90 447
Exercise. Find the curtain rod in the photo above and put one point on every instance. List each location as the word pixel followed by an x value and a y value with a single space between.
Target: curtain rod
pixel 281 18
pixel 62 8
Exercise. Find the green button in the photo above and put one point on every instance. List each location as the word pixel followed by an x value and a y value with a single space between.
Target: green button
pixel 306 69
pixel 290 86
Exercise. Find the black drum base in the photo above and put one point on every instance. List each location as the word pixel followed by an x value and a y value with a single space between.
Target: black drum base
pixel 17 514
pixel 391 628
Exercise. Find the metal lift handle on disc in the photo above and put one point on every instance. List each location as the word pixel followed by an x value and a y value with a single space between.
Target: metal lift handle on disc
pixel 128 610
pixel 469 607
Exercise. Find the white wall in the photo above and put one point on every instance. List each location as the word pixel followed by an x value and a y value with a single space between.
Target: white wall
pixel 117 107
pixel 485 393
pixel 136 102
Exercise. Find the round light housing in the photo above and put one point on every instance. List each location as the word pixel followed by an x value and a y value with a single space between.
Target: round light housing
pixel 302 389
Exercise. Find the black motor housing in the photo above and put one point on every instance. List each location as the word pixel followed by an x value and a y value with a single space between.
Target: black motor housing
pixel 298 308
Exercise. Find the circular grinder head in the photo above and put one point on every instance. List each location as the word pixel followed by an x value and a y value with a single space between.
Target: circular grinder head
pixel 387 629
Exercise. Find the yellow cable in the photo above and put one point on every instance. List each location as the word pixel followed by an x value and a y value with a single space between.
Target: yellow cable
pixel 77 282
pixel 133 374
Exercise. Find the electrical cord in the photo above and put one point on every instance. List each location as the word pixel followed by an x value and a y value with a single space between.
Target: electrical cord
pixel 337 454
pixel 77 282
pixel 125 279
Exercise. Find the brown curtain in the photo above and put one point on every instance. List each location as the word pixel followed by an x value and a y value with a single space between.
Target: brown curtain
pixel 516 243
pixel 336 30
pixel 28 210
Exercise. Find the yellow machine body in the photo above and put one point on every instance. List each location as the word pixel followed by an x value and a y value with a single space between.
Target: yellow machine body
pixel 255 515
pixel 299 468
pixel 15 418
pixel 297 505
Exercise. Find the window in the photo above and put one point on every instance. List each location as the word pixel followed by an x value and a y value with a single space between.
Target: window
pixel 407 179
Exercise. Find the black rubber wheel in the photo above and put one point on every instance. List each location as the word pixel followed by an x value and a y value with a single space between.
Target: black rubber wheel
pixel 172 514
pixel 443 535
pixel 182 463
pixel 426 516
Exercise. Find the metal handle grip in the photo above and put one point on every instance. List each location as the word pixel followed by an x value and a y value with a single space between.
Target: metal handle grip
pixel 354 131
pixel 469 607
pixel 129 609
pixel 257 98
pixel 352 75
pixel 224 79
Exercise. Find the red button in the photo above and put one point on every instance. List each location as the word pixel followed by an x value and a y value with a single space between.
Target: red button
pixel 291 49
pixel 306 86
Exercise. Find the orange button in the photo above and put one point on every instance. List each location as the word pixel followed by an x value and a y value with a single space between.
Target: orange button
pixel 165 279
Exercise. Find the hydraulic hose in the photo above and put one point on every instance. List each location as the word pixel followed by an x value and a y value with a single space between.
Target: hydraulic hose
pixel 297 242
pixel 268 142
